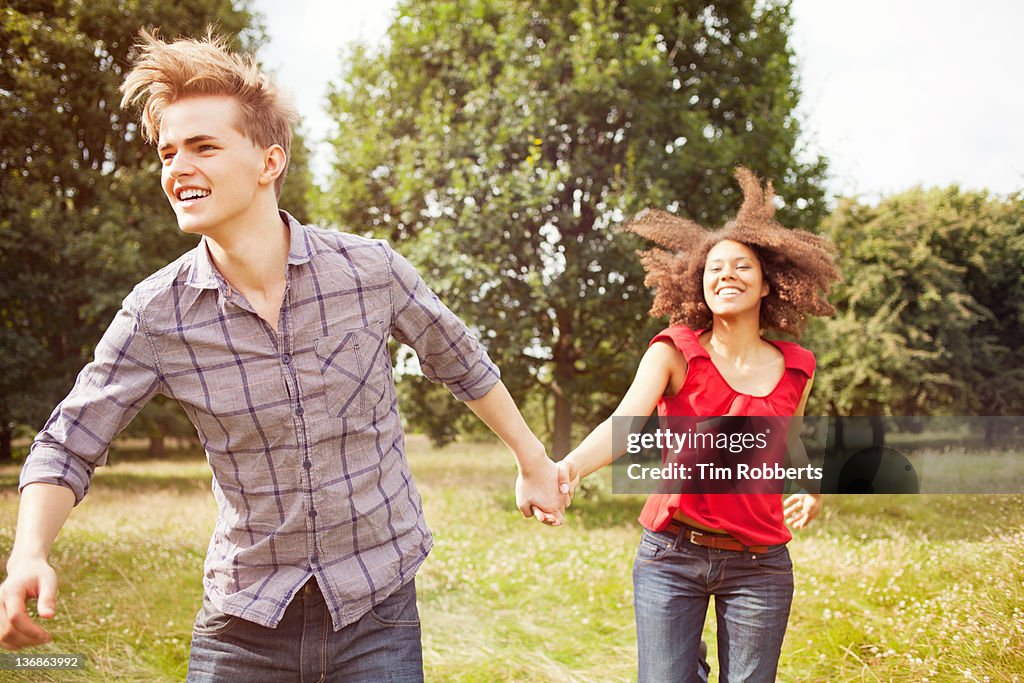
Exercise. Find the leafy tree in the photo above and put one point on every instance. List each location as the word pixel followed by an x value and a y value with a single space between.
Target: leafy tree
pixel 298 191
pixel 78 187
pixel 931 313
pixel 501 142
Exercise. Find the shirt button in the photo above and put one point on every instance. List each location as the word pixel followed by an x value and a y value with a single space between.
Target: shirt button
pixel 314 559
pixel 312 513
pixel 286 358
pixel 307 464
pixel 298 410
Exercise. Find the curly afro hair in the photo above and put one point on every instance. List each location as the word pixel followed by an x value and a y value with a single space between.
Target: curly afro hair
pixel 798 266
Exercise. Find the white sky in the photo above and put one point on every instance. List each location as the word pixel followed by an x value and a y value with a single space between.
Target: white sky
pixel 895 94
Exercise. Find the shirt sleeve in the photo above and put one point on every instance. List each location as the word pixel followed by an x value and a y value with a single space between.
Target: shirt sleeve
pixel 448 352
pixel 111 390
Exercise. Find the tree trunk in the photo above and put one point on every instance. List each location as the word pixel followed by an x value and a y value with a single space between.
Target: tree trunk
pixel 156 446
pixel 565 371
pixel 6 453
pixel 561 436
pixel 561 440
pixel 990 433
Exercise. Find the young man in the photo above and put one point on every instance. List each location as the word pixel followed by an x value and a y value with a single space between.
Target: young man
pixel 273 337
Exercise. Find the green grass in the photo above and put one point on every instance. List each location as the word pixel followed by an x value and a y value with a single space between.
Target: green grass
pixel 889 588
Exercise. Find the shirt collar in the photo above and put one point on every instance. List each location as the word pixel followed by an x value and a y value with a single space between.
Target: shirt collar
pixel 300 251
pixel 205 275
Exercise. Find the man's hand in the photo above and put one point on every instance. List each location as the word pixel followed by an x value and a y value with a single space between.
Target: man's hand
pixel 542 492
pixel 26 579
pixel 801 508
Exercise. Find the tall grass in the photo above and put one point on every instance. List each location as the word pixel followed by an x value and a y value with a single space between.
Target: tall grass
pixel 889 588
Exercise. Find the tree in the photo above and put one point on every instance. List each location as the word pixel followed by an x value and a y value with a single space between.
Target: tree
pixel 77 185
pixel 297 193
pixel 500 143
pixel 931 314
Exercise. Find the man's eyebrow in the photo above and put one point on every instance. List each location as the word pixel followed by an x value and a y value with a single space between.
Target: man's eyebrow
pixel 189 141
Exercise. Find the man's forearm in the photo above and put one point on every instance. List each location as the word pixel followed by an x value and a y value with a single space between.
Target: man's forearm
pixel 538 489
pixel 41 514
pixel 499 412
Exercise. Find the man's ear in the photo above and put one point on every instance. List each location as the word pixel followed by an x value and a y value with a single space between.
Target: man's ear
pixel 275 161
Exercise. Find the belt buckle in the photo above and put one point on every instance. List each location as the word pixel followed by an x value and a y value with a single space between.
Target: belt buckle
pixel 693 537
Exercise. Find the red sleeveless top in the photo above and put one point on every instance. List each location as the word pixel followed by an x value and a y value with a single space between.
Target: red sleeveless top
pixel 754 519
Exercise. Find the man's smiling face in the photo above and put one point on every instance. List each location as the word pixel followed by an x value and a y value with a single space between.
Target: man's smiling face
pixel 211 170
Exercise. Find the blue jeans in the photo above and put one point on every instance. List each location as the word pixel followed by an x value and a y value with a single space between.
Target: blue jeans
pixel 673 580
pixel 384 645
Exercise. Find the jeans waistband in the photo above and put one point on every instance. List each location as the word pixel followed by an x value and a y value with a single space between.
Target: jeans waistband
pixel 681 535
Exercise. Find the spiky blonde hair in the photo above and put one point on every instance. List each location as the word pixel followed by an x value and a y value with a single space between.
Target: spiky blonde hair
pixel 163 73
pixel 798 266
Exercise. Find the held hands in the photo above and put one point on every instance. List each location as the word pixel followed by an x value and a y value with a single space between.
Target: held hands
pixel 545 489
pixel 25 580
pixel 800 509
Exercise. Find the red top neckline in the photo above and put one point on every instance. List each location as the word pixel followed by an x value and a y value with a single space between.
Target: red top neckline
pixel 697 335
pixel 794 356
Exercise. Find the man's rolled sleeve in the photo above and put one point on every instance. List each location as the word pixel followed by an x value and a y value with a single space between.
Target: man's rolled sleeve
pixel 448 352
pixel 108 393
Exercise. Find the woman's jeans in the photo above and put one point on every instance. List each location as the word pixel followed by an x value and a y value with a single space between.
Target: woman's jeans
pixel 384 645
pixel 672 582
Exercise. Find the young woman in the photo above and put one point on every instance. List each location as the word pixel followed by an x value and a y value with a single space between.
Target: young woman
pixel 721 290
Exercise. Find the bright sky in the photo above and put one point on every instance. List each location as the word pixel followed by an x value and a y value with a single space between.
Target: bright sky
pixel 896 94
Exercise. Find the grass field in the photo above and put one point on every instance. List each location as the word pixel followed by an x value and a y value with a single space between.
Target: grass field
pixel 889 588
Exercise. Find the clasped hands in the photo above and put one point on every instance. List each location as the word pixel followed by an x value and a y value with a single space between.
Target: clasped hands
pixel 545 488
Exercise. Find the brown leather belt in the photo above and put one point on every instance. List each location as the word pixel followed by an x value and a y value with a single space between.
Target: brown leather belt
pixel 710 540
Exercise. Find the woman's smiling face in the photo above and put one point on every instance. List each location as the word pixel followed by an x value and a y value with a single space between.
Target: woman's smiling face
pixel 733 280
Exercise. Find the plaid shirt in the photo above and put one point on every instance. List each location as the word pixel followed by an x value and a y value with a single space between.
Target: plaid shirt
pixel 301 427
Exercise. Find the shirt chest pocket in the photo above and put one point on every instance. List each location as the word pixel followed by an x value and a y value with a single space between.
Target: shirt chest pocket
pixel 356 369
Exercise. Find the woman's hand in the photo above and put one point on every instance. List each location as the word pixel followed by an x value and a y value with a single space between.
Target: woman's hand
pixel 801 508
pixel 568 479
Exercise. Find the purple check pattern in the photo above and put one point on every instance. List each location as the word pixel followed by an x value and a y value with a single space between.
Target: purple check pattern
pixel 301 426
